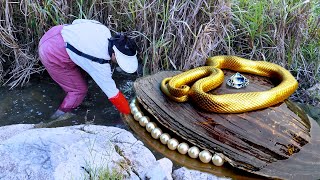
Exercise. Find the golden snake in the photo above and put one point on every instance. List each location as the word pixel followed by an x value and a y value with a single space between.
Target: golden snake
pixel 177 89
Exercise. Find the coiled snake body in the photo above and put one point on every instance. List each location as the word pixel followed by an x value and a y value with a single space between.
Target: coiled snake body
pixel 177 89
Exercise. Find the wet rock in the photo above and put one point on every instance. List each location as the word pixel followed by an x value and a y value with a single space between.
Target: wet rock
pixel 76 152
pixel 161 169
pixel 187 174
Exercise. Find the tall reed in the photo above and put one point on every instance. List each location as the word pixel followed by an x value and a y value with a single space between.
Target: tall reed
pixel 173 34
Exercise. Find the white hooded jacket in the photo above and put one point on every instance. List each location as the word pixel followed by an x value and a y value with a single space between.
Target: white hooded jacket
pixel 91 37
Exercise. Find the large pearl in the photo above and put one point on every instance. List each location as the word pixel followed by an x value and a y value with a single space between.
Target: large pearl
pixel 217 160
pixel 132 105
pixel 205 156
pixel 134 110
pixel 134 101
pixel 143 121
pixel 150 126
pixel 193 152
pixel 164 138
pixel 156 133
pixel 183 148
pixel 137 116
pixel 173 144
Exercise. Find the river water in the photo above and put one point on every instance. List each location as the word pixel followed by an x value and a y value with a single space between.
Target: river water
pixel 40 98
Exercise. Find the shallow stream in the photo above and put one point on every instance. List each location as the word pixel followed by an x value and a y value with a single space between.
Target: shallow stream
pixel 37 101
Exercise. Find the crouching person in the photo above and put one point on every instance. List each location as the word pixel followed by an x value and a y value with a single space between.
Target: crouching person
pixel 86 44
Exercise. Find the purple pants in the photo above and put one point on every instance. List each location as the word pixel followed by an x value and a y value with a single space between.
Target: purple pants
pixel 62 70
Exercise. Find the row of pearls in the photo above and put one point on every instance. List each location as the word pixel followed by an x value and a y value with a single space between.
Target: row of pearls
pixel 183 148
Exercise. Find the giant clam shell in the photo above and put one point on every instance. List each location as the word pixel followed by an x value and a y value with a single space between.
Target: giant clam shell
pixel 274 142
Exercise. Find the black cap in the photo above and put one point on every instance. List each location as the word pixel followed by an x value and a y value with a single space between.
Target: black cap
pixel 123 43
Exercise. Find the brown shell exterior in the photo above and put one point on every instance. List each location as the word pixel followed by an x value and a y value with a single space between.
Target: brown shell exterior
pixel 273 142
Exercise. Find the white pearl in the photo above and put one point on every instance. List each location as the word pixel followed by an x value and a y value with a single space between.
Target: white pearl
pixel 173 144
pixel 193 152
pixel 134 110
pixel 134 101
pixel 164 138
pixel 143 121
pixel 137 116
pixel 205 156
pixel 156 133
pixel 150 126
pixel 132 105
pixel 217 160
pixel 183 148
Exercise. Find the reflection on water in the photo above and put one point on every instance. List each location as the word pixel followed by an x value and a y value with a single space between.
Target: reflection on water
pixel 40 98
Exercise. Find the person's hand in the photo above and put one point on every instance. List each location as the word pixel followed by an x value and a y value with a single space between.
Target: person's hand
pixel 121 103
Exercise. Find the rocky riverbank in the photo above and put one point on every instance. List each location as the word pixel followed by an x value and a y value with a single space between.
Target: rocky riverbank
pixel 82 152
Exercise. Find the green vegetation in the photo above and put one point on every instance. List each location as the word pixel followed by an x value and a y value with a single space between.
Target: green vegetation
pixel 111 176
pixel 174 34
pixel 97 166
pixel 103 174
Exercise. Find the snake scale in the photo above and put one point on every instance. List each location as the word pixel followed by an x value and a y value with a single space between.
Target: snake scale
pixel 209 77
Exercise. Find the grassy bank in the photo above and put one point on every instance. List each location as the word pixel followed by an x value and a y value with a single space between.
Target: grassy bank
pixel 174 34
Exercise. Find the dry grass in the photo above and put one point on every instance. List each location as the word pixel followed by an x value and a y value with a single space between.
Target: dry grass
pixel 173 34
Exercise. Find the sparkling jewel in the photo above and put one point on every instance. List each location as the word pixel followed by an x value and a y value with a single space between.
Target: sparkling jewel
pixel 183 148
pixel 143 121
pixel 134 110
pixel 150 126
pixel 156 133
pixel 193 152
pixel 164 138
pixel 237 81
pixel 137 116
pixel 217 160
pixel 173 144
pixel 205 156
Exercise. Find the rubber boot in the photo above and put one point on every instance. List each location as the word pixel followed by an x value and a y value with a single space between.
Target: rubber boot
pixel 57 114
